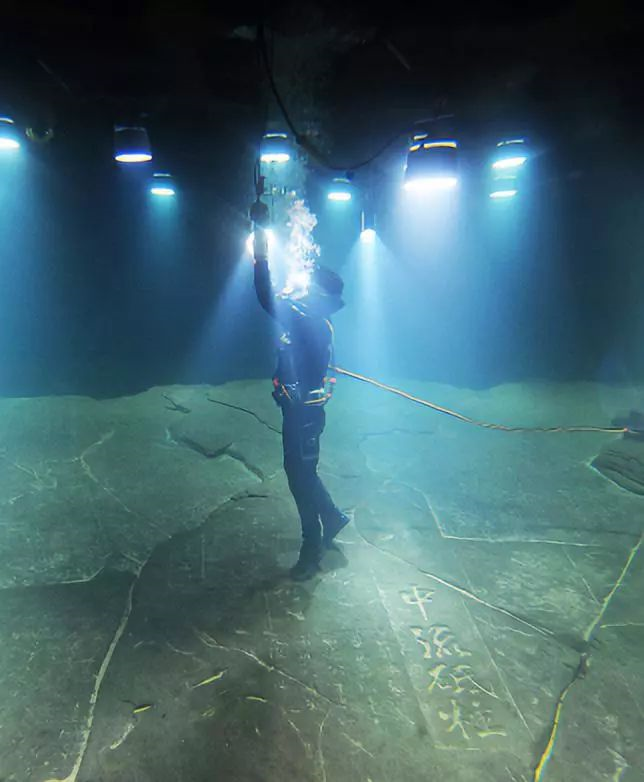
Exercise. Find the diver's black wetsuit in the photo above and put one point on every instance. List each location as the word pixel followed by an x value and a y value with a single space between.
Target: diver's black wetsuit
pixel 304 357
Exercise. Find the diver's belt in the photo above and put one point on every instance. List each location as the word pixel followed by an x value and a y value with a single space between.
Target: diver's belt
pixel 291 395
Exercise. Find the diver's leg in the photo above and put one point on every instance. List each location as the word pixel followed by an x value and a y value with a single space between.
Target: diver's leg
pixel 300 472
pixel 333 520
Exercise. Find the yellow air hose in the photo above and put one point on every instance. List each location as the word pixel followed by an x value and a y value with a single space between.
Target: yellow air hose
pixel 466 419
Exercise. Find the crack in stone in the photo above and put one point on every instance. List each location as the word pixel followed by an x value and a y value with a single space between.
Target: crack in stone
pixel 85 580
pixel 506 686
pixel 245 410
pixel 298 733
pixel 515 541
pixel 358 745
pixel 581 576
pixel 606 601
pixel 82 459
pixel 49 584
pixel 545 756
pixel 210 642
pixel 14 500
pixel 320 750
pixel 176 407
pixel 128 729
pixel 41 482
pixel 460 590
pixel 584 664
pixel 195 446
pixel 233 453
pixel 513 778
pixel 622 624
pixel 367 435
pixel 225 450
pixel 102 671
pixel 510 629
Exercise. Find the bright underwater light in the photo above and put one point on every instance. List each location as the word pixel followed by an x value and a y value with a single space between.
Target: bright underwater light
pixel 510 193
pixel 368 235
pixel 9 136
pixel 340 190
pixel 162 185
pixel 510 162
pixel 131 145
pixel 510 154
pixel 275 148
pixel 431 164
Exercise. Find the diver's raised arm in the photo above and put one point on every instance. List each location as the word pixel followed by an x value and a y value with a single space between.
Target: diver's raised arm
pixel 264 286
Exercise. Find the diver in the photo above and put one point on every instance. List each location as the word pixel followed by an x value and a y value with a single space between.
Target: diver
pixel 301 387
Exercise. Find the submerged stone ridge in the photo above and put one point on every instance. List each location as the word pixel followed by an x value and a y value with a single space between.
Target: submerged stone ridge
pixel 623 463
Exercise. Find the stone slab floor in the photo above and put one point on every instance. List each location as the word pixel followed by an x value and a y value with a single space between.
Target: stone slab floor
pixel 482 618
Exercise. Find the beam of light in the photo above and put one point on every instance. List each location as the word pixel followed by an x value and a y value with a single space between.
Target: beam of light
pixel 510 162
pixel 429 184
pixel 363 326
pixel 163 191
pixel 368 236
pixel 275 157
pixel 503 193
pixel 250 242
pixel 338 195
pixel 8 143
pixel 133 157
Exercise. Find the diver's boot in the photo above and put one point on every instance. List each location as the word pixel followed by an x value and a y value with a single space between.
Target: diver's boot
pixel 308 563
pixel 333 527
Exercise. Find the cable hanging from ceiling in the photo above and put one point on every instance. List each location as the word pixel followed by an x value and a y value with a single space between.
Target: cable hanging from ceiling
pixel 299 138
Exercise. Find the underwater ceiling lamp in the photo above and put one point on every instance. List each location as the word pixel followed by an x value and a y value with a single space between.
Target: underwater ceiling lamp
pixel 275 148
pixel 131 145
pixel 503 188
pixel 162 185
pixel 432 164
pixel 502 194
pixel 9 135
pixel 340 190
pixel 510 154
